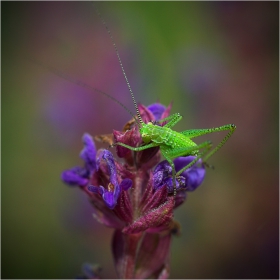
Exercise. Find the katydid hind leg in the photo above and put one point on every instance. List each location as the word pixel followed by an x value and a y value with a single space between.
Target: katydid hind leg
pixel 207 145
pixel 185 151
pixel 171 154
pixel 191 133
pixel 231 128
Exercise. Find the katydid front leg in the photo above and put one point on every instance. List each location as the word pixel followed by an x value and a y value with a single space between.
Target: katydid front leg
pixel 173 119
pixel 136 149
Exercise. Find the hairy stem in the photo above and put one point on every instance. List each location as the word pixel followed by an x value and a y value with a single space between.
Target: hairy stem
pixel 131 245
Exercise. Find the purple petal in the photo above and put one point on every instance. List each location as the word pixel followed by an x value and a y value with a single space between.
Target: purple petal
pixel 126 184
pixel 109 199
pixel 94 189
pixel 157 179
pixel 107 195
pixel 88 154
pixel 112 192
pixel 162 172
pixel 194 176
pixel 109 159
pixel 181 162
pixel 170 186
pixel 163 176
pixel 75 176
pixel 163 166
pixel 190 179
pixel 157 109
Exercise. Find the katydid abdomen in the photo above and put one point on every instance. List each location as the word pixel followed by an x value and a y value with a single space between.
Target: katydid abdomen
pixel 168 139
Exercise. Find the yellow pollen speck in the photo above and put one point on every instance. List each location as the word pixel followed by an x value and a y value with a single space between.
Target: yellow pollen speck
pixel 111 187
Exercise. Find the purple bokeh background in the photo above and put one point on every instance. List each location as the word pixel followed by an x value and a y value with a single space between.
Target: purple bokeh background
pixel 217 61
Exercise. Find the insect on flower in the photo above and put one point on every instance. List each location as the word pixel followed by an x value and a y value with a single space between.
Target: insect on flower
pixel 172 144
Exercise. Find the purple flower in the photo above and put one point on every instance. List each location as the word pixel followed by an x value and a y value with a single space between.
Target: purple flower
pixel 82 176
pixel 135 196
pixel 88 154
pixel 76 176
pixel 79 176
pixel 194 176
pixel 110 194
pixel 159 111
pixel 190 179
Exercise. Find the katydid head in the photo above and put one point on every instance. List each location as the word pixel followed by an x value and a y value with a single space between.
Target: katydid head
pixel 145 131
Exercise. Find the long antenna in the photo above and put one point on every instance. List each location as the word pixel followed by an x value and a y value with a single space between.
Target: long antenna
pixel 120 62
pixel 80 83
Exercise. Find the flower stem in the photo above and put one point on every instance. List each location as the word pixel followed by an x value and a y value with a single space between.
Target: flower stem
pixel 131 245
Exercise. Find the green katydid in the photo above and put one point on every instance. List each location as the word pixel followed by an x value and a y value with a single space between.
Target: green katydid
pixel 172 144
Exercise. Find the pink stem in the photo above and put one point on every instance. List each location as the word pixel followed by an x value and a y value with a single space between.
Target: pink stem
pixel 131 244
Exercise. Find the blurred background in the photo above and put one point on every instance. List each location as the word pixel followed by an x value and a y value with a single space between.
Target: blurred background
pixel 218 62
